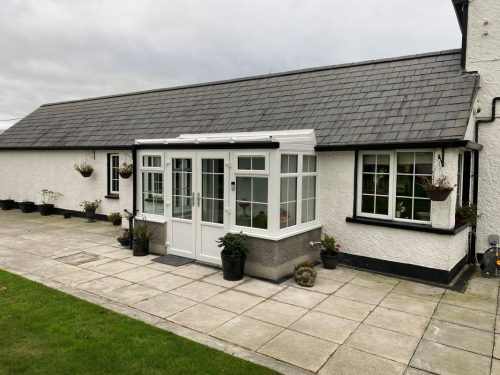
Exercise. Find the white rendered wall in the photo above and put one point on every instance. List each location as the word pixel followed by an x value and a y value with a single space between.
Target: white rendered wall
pixel 483 55
pixel 25 173
pixel 438 251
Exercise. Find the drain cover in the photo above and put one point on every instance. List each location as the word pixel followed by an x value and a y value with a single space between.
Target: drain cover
pixel 78 258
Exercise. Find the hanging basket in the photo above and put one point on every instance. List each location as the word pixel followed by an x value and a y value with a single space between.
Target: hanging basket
pixel 438 194
pixel 86 173
pixel 125 174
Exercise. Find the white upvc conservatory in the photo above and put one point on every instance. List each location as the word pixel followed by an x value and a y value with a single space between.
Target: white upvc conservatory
pixel 200 186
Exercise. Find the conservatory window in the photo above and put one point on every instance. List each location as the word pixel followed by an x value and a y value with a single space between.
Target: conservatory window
pixel 251 163
pixel 182 188
pixel 251 202
pixel 308 188
pixel 152 193
pixel 288 190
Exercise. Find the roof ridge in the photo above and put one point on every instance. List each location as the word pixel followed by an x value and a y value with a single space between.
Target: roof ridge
pixel 263 76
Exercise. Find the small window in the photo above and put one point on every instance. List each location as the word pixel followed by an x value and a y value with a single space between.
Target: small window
pixel 375 184
pixel 113 176
pixel 308 198
pixel 251 202
pixel 152 193
pixel 288 163
pixel 309 163
pixel 151 161
pixel 412 202
pixel 251 163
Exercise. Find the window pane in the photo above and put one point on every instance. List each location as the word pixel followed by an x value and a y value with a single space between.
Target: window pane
pixel 382 205
pixel 405 162
pixel 382 187
pixel 404 185
pixel 259 215
pixel 309 163
pixel 423 163
pixel 404 208
pixel 368 204
pixel 368 184
pixel 292 164
pixel 244 163
pixel 419 189
pixel 219 186
pixel 258 163
pixel 369 162
pixel 284 163
pixel 383 163
pixel 218 165
pixel 292 188
pixel 284 190
pixel 422 209
pixel 243 211
pixel 259 189
pixel 243 188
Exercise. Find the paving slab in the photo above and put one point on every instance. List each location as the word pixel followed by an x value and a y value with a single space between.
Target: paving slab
pixel 202 318
pixel 349 361
pixel 361 294
pixel 345 308
pixel 340 274
pixel 198 291
pixel 77 277
pixel 218 279
pixel 164 305
pixel 384 343
pixel 113 267
pixel 278 313
pixel 299 297
pixel 325 326
pixel 368 282
pixel 496 350
pixel 246 332
pixel 234 301
pixel 321 285
pixel 467 317
pixel 412 305
pixel 459 336
pixel 409 288
pixel 103 285
pixel 138 274
pixel 495 367
pixel 132 294
pixel 166 282
pixel 311 354
pixel 260 288
pixel 194 271
pixel 471 301
pixel 441 359
pixel 398 321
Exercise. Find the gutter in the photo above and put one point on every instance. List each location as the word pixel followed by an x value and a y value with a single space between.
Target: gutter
pixel 408 145
pixel 472 252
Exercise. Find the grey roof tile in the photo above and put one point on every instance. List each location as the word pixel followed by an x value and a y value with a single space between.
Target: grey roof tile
pixel 414 98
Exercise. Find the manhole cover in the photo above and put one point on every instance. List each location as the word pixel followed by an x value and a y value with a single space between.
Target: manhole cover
pixel 78 258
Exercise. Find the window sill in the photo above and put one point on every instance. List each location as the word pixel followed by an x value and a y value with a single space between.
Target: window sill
pixel 112 196
pixel 407 226
pixel 274 236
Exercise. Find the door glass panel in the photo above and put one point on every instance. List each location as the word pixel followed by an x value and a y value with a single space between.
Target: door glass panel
pixel 212 187
pixel 182 188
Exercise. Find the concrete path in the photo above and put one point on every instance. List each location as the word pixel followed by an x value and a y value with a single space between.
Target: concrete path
pixel 350 322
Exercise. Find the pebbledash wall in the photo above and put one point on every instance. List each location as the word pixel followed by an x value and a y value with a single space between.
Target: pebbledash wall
pixel 483 56
pixel 24 173
pixel 440 252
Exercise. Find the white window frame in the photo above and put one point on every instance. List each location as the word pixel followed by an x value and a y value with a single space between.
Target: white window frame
pixel 303 174
pixel 252 172
pixel 392 185
pixel 298 176
pixel 148 216
pixel 110 176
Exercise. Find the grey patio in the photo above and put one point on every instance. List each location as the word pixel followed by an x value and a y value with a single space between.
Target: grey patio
pixel 350 322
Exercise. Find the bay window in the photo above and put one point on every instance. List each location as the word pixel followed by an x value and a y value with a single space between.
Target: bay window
pixel 390 185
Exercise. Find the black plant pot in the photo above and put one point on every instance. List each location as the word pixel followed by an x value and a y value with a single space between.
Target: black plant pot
pixel 233 266
pixel 7 204
pixel 330 261
pixel 86 173
pixel 67 215
pixel 90 214
pixel 125 174
pixel 27 207
pixel 140 248
pixel 117 222
pixel 46 209
pixel 123 241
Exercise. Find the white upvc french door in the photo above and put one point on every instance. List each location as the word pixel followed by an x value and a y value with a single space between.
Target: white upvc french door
pixel 197 199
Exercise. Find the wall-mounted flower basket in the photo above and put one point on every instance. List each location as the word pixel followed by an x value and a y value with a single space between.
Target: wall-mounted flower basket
pixel 126 170
pixel 438 190
pixel 84 169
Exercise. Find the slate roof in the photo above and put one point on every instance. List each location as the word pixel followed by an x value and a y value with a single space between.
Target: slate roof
pixel 414 98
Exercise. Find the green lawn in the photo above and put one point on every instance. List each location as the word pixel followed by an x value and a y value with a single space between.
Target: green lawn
pixel 43 331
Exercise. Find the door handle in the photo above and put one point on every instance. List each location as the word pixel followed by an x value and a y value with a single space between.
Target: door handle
pixel 199 199
pixel 192 200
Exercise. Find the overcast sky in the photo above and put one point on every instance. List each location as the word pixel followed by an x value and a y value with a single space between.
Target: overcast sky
pixel 69 49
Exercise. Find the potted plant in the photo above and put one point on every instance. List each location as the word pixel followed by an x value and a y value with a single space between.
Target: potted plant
pixel 126 170
pixel 438 190
pixel 115 218
pixel 89 208
pixel 329 252
pixel 233 255
pixel 305 274
pixel 67 215
pixel 27 206
pixel 85 169
pixel 124 239
pixel 7 204
pixel 48 199
pixel 142 233
pixel 467 214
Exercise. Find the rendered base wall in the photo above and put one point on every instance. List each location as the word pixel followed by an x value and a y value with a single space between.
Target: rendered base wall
pixel 25 173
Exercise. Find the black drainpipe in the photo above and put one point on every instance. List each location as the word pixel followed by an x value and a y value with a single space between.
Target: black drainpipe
pixel 354 204
pixel 472 253
pixel 465 18
pixel 134 179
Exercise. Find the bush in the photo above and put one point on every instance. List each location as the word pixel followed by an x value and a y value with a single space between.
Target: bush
pixel 233 243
